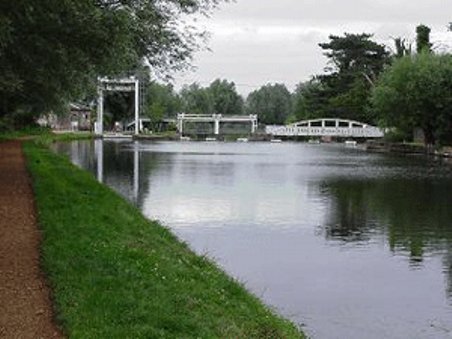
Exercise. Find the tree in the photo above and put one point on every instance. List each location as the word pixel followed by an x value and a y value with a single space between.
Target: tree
pixel 402 48
pixel 354 55
pixel 353 104
pixel 196 100
pixel 53 50
pixel 220 97
pixel 161 102
pixel 355 61
pixel 416 92
pixel 225 98
pixel 423 39
pixel 309 101
pixel 272 104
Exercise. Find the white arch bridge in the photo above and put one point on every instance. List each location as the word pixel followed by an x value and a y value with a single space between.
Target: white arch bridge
pixel 326 127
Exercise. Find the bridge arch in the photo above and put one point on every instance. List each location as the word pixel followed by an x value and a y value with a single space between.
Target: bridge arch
pixel 327 127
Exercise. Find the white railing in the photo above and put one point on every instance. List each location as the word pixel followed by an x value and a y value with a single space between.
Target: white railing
pixel 322 127
pixel 217 119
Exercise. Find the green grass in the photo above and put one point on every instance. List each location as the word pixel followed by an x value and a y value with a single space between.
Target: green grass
pixel 25 132
pixel 115 274
pixel 50 137
pixel 43 135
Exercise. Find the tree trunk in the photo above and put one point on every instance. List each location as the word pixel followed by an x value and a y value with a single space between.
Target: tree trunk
pixel 429 138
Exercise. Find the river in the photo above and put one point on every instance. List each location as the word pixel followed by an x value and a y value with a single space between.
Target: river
pixel 345 243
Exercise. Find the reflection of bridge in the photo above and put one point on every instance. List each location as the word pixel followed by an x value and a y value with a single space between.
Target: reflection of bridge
pixel 327 127
pixel 216 120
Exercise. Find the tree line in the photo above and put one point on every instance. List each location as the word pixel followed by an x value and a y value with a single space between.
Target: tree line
pixel 52 52
pixel 400 88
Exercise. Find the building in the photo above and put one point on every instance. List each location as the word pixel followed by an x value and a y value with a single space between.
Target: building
pixel 79 118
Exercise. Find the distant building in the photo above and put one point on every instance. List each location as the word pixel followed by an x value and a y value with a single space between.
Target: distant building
pixel 78 118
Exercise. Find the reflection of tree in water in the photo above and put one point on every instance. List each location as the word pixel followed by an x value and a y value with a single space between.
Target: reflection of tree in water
pixel 447 264
pixel 416 215
pixel 349 218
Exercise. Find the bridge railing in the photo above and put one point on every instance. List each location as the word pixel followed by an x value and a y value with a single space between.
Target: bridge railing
pixel 356 132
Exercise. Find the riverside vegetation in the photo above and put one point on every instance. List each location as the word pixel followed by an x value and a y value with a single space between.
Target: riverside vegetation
pixel 115 274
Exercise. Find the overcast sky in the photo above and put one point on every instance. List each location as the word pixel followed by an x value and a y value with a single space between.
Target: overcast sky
pixel 255 42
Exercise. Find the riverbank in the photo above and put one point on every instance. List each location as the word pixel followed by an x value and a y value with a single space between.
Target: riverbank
pixel 116 274
pixel 410 148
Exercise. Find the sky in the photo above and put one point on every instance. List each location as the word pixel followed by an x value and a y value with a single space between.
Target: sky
pixel 256 42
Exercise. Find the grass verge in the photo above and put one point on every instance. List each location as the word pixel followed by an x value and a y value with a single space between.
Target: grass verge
pixel 115 274
pixel 44 135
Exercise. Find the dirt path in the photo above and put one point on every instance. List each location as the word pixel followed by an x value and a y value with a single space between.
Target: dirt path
pixel 25 307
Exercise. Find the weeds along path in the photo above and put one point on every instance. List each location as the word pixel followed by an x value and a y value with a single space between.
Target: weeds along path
pixel 25 306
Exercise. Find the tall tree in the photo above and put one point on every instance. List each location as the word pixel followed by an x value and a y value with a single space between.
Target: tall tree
pixel 416 92
pixel 354 55
pixel 225 98
pixel 272 104
pixel 196 100
pixel 402 48
pixel 51 50
pixel 309 101
pixel 161 101
pixel 423 39
pixel 355 61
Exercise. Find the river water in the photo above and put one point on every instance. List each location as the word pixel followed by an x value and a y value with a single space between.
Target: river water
pixel 344 243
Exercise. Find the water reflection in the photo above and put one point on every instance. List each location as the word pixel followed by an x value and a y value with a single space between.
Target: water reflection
pixel 352 244
pixel 416 214
pixel 119 164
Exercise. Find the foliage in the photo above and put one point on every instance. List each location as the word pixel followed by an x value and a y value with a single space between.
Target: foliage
pixel 161 101
pixel 423 39
pixel 220 97
pixel 52 50
pixel 353 104
pixel 116 274
pixel 196 99
pixel 309 101
pixel 272 104
pixel 416 92
pixel 354 55
pixel 225 98
pixel 118 106
pixel 397 135
pixel 7 133
pixel 355 61
pixel 402 48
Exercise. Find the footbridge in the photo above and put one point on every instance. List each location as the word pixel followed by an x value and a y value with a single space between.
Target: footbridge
pixel 326 127
pixel 215 121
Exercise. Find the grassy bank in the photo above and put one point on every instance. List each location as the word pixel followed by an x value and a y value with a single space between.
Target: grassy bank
pixel 117 275
pixel 44 135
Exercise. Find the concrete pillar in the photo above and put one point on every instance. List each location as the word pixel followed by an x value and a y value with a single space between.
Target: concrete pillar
pixel 99 125
pixel 137 108
pixel 217 125
pixel 253 124
pixel 180 123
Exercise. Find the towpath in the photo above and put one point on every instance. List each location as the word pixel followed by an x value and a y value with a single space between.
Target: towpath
pixel 25 305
